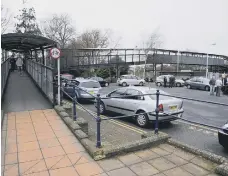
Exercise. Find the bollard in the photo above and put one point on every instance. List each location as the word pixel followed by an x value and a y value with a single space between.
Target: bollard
pixel 157 112
pixel 74 104
pixel 61 93
pixel 98 119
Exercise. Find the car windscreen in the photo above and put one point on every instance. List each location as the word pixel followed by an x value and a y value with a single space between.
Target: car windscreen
pixel 90 84
pixel 161 97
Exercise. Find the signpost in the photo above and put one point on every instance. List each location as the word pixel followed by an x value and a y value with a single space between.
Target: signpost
pixel 55 53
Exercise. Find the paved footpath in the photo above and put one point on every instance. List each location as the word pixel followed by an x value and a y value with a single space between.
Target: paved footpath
pixel 38 143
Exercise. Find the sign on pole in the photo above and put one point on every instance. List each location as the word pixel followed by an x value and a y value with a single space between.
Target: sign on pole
pixel 55 53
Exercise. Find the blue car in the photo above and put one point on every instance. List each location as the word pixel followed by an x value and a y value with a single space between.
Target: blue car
pixel 84 88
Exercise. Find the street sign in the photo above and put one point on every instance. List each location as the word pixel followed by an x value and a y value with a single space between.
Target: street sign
pixel 55 53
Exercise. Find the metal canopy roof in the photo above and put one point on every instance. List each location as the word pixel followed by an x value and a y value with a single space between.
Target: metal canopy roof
pixel 22 42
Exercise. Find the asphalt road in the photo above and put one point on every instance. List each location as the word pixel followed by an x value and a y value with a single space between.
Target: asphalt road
pixel 204 113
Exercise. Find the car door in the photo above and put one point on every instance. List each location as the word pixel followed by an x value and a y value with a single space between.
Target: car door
pixel 200 83
pixel 135 80
pixel 114 104
pixel 130 104
pixel 193 83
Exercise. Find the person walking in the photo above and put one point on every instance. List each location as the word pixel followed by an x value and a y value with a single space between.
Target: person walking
pixel 218 84
pixel 165 81
pixel 174 81
pixel 19 64
pixel 171 82
pixel 13 63
pixel 212 85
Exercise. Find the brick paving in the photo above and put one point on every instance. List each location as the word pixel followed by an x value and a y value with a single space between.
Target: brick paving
pixel 38 143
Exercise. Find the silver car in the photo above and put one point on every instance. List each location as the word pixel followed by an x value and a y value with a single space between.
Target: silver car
pixel 160 81
pixel 89 86
pixel 169 108
pixel 198 83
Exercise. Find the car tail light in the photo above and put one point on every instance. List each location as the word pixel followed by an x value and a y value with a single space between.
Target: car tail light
pixel 160 108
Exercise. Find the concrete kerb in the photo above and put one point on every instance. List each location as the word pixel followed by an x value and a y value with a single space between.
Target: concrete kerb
pixel 80 121
pixel 222 169
pixel 148 140
pixel 76 129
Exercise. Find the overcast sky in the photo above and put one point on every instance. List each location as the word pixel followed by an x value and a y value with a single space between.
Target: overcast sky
pixel 183 24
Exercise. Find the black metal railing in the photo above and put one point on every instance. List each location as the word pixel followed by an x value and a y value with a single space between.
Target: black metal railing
pixel 98 118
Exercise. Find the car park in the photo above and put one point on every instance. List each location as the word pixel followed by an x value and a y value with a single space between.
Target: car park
pixel 126 80
pixel 102 82
pixel 84 89
pixel 223 136
pixel 200 83
pixel 160 81
pixel 144 105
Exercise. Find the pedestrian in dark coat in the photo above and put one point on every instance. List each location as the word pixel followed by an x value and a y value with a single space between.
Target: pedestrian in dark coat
pixel 165 81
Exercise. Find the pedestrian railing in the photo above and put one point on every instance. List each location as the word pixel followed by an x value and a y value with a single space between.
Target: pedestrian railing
pixel 43 78
pixel 5 70
pixel 99 120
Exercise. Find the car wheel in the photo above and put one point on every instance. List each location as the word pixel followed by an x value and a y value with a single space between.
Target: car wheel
pixel 106 84
pixel 142 119
pixel 207 88
pixel 159 84
pixel 178 84
pixel 141 83
pixel 124 84
pixel 102 108
pixel 188 86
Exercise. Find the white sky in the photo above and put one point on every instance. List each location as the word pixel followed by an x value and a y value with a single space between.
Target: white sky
pixel 183 24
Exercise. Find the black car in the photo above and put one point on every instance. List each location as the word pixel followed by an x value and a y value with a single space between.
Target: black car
pixel 102 82
pixel 223 136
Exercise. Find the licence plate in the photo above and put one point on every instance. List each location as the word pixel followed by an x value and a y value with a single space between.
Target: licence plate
pixel 172 107
pixel 91 92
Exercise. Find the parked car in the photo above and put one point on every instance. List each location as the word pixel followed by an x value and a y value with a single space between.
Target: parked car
pixel 79 78
pixel 126 80
pixel 91 86
pixel 223 136
pixel 102 82
pixel 160 81
pixel 64 77
pixel 169 108
pixel 198 83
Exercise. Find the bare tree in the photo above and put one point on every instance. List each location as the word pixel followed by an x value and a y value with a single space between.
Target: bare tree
pixel 94 39
pixel 5 19
pixel 149 46
pixel 59 29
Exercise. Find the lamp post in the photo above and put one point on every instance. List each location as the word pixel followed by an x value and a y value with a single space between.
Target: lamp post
pixel 213 44
pixel 178 60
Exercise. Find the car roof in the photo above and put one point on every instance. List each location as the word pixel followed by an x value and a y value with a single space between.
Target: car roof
pixel 142 89
pixel 86 80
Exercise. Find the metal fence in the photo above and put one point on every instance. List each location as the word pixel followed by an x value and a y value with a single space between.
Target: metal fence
pixel 5 69
pixel 156 111
pixel 43 77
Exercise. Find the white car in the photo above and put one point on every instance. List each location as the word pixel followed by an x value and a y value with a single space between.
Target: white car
pixel 160 81
pixel 169 108
pixel 126 80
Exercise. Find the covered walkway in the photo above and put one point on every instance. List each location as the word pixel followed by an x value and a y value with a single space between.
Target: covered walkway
pixel 22 95
pixel 33 90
